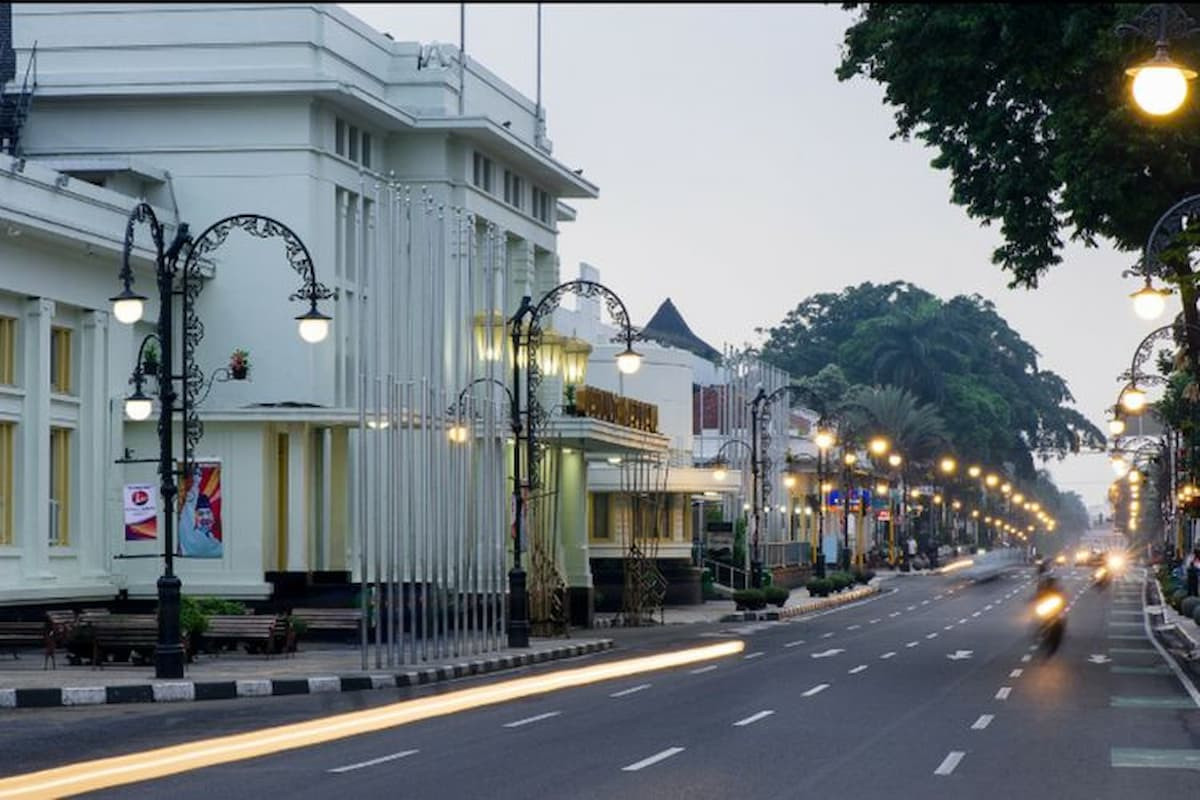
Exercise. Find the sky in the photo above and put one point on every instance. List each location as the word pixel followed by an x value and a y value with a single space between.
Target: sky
pixel 738 176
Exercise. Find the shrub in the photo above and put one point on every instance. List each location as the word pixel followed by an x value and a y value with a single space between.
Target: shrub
pixel 819 587
pixel 210 606
pixel 863 576
pixel 192 620
pixel 840 581
pixel 1177 598
pixel 752 599
pixel 1196 615
pixel 1188 606
pixel 776 595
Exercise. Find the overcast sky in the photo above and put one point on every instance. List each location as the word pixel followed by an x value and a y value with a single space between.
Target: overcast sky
pixel 738 176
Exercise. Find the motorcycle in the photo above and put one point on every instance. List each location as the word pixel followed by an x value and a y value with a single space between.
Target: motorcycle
pixel 1102 577
pixel 1050 618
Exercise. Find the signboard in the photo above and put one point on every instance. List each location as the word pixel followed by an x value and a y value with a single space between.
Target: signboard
pixel 830 547
pixel 884 516
pixel 141 512
pixel 200 533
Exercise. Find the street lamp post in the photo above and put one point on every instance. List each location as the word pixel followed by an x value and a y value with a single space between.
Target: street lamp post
pixel 128 307
pixel 526 329
pixel 760 408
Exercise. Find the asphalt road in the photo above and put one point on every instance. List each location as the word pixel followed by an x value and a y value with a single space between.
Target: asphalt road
pixel 928 691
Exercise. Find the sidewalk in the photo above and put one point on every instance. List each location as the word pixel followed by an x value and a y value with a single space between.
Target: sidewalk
pixel 315 668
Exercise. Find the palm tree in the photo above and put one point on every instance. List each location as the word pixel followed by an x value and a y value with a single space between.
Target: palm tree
pixel 916 429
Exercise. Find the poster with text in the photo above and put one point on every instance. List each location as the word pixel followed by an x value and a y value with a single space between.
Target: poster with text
pixel 141 512
pixel 200 534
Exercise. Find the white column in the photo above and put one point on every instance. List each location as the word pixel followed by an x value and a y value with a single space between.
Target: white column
pixel 94 457
pixel 34 478
pixel 298 504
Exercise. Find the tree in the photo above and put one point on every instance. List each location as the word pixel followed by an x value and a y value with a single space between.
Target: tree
pixel 1027 106
pixel 915 429
pixel 959 355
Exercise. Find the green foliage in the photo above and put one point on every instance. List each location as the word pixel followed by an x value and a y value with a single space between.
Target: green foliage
pixel 819 587
pixel 191 620
pixel 739 542
pixel 1196 615
pixel 970 378
pixel 1028 108
pixel 864 576
pixel 752 599
pixel 776 595
pixel 210 606
pixel 841 580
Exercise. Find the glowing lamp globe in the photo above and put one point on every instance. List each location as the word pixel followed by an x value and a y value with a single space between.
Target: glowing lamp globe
pixel 1116 426
pixel 1160 85
pixel 1133 399
pixel 314 326
pixel 128 306
pixel 138 407
pixel 1148 302
pixel 629 361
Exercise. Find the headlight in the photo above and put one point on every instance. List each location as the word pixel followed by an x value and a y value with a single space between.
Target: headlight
pixel 1116 561
pixel 1049 605
pixel 1100 573
pixel 1060 559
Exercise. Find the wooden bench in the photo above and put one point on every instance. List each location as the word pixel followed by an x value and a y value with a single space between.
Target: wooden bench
pixel 123 634
pixel 15 635
pixel 345 621
pixel 264 633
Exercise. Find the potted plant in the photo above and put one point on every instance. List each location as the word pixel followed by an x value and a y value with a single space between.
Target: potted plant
pixel 239 364
pixel 150 359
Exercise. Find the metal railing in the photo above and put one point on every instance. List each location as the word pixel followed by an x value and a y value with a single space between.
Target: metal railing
pixel 727 575
pixel 784 554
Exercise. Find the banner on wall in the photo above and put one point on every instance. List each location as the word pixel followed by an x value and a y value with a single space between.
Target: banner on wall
pixel 200 534
pixel 141 512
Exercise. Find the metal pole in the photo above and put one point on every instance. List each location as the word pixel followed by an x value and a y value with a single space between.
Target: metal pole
pixel 755 561
pixel 518 600
pixel 820 548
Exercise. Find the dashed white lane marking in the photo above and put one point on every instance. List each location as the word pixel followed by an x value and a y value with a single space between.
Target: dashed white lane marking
pixel 938 597
pixel 702 670
pixel 1016 673
pixel 948 627
pixel 1003 693
pixel 796 643
pixel 988 607
pixel 853 627
pixel 912 644
pixel 820 687
pixel 753 718
pixel 857 669
pixel 924 602
pixel 975 614
pixel 931 635
pixel 631 690
pixel 872 622
pixel 654 759
pixel 1025 659
pixel 949 762
pixel 531 720
pixel 911 608
pixel 983 721
pixel 1032 647
pixel 826 635
pixel 755 654
pixel 888 654
pixel 962 621
pixel 374 761
pixel 895 614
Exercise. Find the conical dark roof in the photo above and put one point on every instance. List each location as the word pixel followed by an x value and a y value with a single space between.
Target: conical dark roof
pixel 667 327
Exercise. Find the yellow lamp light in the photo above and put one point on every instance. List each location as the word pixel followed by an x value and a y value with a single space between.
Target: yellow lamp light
pixel 881 488
pixel 490 336
pixel 895 460
pixel 1133 399
pixel 1149 302
pixel 949 465
pixel 1018 498
pixel 575 360
pixel 1160 85
pixel 1006 488
pixel 879 446
pixel 789 480
pixel 550 353
pixel 1116 426
pixel 824 439
pixel 850 459
pixel 974 471
pixel 992 480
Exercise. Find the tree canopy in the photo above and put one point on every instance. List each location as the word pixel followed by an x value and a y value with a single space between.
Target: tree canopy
pixel 1028 108
pixel 957 356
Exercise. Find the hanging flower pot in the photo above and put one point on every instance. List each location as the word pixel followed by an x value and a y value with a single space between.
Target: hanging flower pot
pixel 239 364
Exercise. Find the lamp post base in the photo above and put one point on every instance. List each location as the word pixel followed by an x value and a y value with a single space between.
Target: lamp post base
pixel 169 655
pixel 518 609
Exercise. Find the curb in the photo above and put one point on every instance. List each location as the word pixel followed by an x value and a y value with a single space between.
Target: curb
pixel 808 608
pixel 191 691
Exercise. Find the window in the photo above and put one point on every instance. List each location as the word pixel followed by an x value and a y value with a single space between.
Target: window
pixel 60 487
pixel 8 351
pixel 7 431
pixel 601 525
pixel 366 149
pixel 512 189
pixel 60 360
pixel 542 205
pixel 481 176
pixel 339 137
pixel 352 149
pixel 349 142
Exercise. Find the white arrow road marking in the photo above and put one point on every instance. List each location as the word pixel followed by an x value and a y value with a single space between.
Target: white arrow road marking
pixel 529 720
pixel 924 602
pixel 374 761
pixel 949 763
pixel 1003 693
pixel 857 669
pixel 753 718
pixel 938 597
pixel 632 690
pixel 959 655
pixel 702 670
pixel 654 759
pixel 1097 658
pixel 888 654
pixel 827 653
pixel 981 723
pixel 820 687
